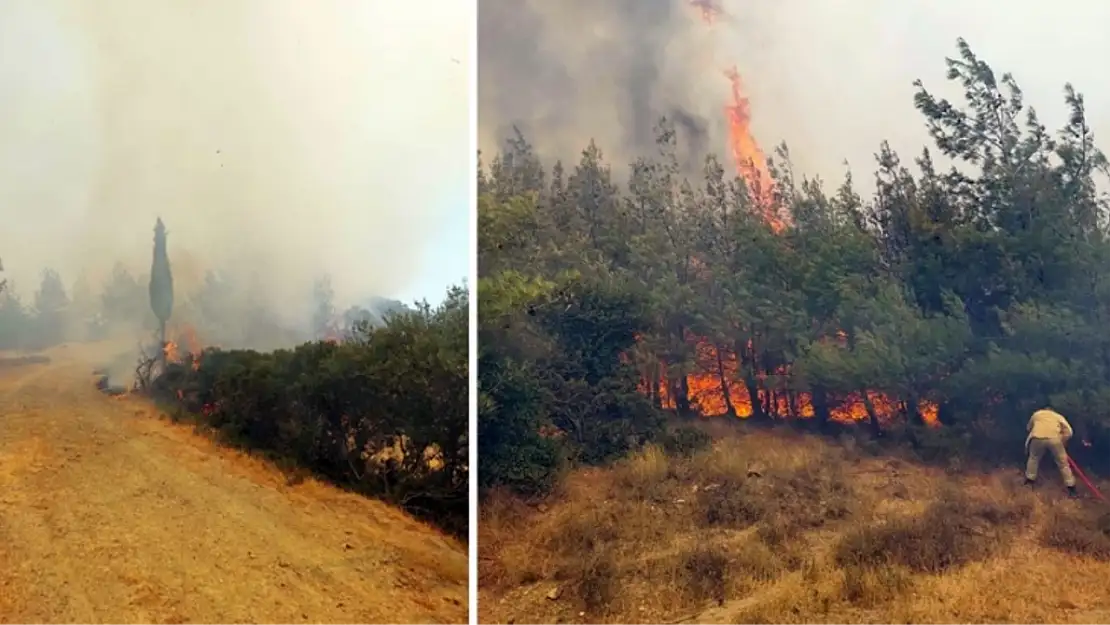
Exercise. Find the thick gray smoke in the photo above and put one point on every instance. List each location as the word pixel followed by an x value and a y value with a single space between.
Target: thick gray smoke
pixel 569 71
pixel 279 140
pixel 831 78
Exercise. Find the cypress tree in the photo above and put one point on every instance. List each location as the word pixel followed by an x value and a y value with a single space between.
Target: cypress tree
pixel 161 282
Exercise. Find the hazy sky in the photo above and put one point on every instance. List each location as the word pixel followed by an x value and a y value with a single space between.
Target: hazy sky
pixel 833 78
pixel 278 138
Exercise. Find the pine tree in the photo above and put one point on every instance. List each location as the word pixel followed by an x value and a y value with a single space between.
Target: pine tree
pixel 51 309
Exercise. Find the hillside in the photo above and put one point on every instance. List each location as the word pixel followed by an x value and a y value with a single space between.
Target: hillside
pixel 776 526
pixel 111 513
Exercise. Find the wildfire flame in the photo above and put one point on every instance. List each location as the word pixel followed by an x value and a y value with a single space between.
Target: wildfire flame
pixel 748 156
pixel 751 162
pixel 182 342
pixel 715 393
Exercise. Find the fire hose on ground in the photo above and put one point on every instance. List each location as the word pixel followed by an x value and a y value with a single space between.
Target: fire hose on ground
pixel 1090 485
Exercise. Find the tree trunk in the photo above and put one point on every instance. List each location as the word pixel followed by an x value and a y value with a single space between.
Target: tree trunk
pixel 745 354
pixel 946 414
pixel 729 409
pixel 820 401
pixel 680 389
pixel 162 343
pixel 753 397
pixel 913 409
pixel 873 419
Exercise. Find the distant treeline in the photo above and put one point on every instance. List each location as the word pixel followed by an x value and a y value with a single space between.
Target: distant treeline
pixel 221 312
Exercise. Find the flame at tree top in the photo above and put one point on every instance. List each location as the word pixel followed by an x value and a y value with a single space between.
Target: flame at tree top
pixel 751 162
pixel 748 156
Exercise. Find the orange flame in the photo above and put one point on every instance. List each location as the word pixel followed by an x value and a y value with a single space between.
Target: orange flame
pixel 751 161
pixel 706 392
pixel 182 342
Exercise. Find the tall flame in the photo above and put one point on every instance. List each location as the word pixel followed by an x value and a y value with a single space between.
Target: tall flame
pixel 751 162
pixel 747 155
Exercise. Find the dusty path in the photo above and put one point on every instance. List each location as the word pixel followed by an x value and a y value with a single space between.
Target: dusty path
pixel 109 514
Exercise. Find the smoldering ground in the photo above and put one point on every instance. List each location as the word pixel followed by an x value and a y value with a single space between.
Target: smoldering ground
pixel 832 79
pixel 277 140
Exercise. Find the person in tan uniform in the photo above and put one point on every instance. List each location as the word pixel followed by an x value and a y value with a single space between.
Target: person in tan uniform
pixel 1049 432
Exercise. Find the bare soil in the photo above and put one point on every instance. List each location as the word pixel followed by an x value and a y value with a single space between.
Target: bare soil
pixel 111 513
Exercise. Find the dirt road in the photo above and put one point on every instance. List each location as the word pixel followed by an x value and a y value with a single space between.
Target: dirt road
pixel 110 514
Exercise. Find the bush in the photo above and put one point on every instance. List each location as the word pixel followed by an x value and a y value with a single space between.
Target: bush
pixel 583 535
pixel 869 586
pixel 596 583
pixel 729 503
pixel 953 531
pixel 685 441
pixel 705 575
pixel 756 561
pixel 385 413
pixel 1081 533
pixel 787 501
pixel 515 454
pixel 644 475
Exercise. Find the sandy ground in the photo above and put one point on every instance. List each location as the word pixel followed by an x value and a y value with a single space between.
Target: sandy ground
pixel 110 514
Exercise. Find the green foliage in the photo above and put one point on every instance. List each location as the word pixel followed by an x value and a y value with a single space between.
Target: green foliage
pixel 385 412
pixel 686 441
pixel 974 295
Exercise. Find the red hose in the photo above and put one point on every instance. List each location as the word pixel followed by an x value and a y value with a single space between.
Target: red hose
pixel 1082 476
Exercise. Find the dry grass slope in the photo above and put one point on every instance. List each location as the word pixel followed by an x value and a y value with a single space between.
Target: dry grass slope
pixel 779 527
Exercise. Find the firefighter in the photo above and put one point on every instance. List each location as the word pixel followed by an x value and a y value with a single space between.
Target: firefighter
pixel 1049 432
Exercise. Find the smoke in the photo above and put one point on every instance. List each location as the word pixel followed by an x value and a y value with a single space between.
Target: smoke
pixel 278 140
pixel 569 71
pixel 833 79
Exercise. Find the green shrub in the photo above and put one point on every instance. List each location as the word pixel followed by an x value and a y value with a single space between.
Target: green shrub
pixel 686 441
pixel 385 413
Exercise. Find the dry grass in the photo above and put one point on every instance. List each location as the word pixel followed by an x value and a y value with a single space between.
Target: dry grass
pixel 1081 532
pixel 769 527
pixel 953 531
